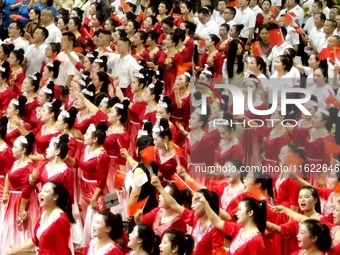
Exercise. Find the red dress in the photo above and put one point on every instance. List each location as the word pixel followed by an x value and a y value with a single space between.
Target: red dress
pixel 225 152
pixel 335 243
pixel 190 45
pixel 35 118
pixel 303 252
pixel 6 162
pixel 6 96
pixel 315 151
pixel 180 115
pixel 327 195
pixel 252 245
pixel 15 81
pixel 186 58
pixel 13 134
pixel 53 236
pixel 154 218
pixel 206 241
pixel 13 235
pixel 226 199
pixel 43 138
pixel 149 115
pixel 143 55
pixel 214 60
pixel 69 102
pixel 223 47
pixel 30 107
pixel 170 73
pixel 109 249
pixel 156 56
pixel 272 147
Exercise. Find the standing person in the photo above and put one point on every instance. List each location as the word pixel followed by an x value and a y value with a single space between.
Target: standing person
pixel 143 239
pixel 47 21
pixel 176 242
pixel 52 232
pixel 15 31
pixel 21 213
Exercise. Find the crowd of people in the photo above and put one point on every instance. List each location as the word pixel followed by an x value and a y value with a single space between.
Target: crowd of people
pixel 105 137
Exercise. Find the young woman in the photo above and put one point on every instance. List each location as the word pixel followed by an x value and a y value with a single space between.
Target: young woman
pixel 176 242
pixel 151 97
pixel 21 213
pixel 34 23
pixel 167 26
pixel 17 75
pixel 138 41
pixel 30 88
pixel 106 228
pixel 101 82
pixel 50 73
pixel 74 25
pixel 189 28
pixel 62 24
pixel 131 28
pixel 223 45
pixel 93 9
pixel 207 238
pixel 265 46
pixel 52 233
pixel 321 89
pixel 163 10
pixel 212 57
pixel 142 240
pixel 5 51
pixel 233 66
pixel 156 56
pixel 6 92
pixel 51 52
pixel 265 16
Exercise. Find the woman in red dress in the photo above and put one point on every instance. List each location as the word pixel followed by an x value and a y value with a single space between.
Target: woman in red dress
pixel 223 45
pixel 30 87
pixel 138 51
pixel 52 233
pixel 207 238
pixel 6 155
pixel 316 139
pixel 163 10
pixel 314 238
pixel 212 57
pixel 6 92
pixel 143 239
pixel 335 233
pixel 248 231
pixel 163 218
pixel 21 213
pixel 172 61
pixel 181 46
pixel 93 162
pixel 74 25
pixel 188 41
pixel 15 111
pixel 156 56
pixel 50 73
pixel 151 97
pixel 167 25
pixel 17 75
pixel 176 242
pixel 164 110
pixel 106 229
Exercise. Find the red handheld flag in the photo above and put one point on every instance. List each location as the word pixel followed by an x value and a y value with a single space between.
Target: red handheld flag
pixel 124 6
pixel 232 3
pixel 332 100
pixel 257 52
pixel 326 53
pixel 133 208
pixel 256 192
pixel 275 37
pixel 299 30
pixel 16 17
pixel 274 10
pixel 78 50
pixel 179 183
pixel 332 148
pixel 201 43
pixel 181 69
pixel 288 19
pixel 119 180
pixel 148 154
pixel 292 14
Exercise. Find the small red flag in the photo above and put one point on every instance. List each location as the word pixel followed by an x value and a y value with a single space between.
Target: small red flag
pixel 332 100
pixel 181 69
pixel 124 6
pixel 299 30
pixel 274 10
pixel 257 52
pixel 288 19
pixel 232 4
pixel 133 208
pixel 179 183
pixel 85 34
pixel 201 43
pixel 332 148
pixel 326 53
pixel 148 154
pixel 119 180
pixel 78 49
pixel 107 50
pixel 275 37
pixel 256 192
pixel 337 187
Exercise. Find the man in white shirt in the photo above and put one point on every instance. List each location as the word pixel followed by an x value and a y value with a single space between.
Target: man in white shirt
pixel 328 29
pixel 316 8
pixel 316 35
pixel 104 40
pixel 66 70
pixel 205 26
pixel 14 32
pixel 47 20
pixel 124 64
pixel 292 37
pixel 246 17
pixel 254 6
pixel 35 53
pixel 229 15
pixel 337 30
pixel 293 7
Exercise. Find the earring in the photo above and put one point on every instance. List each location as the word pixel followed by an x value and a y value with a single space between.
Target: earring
pixel 166 146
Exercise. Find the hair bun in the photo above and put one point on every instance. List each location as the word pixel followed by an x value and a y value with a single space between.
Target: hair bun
pixel 102 126
pixel 30 138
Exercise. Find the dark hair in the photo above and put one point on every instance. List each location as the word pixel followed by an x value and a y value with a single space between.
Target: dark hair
pixel 182 197
pixel 5 74
pixel 113 22
pixel 265 180
pixel 260 62
pixel 22 100
pixel 322 232
pixel 77 22
pixel 65 20
pixel 169 21
pixel 135 24
pixel 143 142
pixel 3 127
pixel 92 92
pixel 142 35
pixel 212 199
pixel 153 20
pixel 204 117
pixel 166 101
pixel 55 109
pixel 100 132
pixel 204 11
pixel 121 33
pixel 79 12
pixel 183 242
pixel 156 90
pixel 115 222
pixel 315 195
pixel 37 12
pixel 126 41
pixel 164 129
pixel 63 12
pixel 70 37
pixel 19 26
pixel 102 63
pixel 174 37
pixel 123 113
pixel 143 80
pixel 44 31
pixel 130 16
pixel 35 80
pixel 30 142
pixel 62 145
pixel 64 201
pixel 287 61
pixel 19 55
pixel 7 49
pixel 190 26
pixel 54 68
pixel 232 56
pixel 259 209
pixel 167 6
pixel 150 241
pixel 55 47
pixel 49 86
pixel 72 117
pixel 214 38
pixel 104 78
pixel 181 34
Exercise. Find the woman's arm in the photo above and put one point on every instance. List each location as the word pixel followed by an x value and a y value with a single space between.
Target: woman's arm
pixel 6 189
pixel 135 192
pixel 273 227
pixel 290 213
pixel 26 246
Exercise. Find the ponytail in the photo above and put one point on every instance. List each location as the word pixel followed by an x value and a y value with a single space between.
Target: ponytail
pixel 259 209
pixel 184 243
pixel 322 232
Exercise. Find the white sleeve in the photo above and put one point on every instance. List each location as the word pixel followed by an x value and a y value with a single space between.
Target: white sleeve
pixel 252 20
pixel 58 36
pixel 224 71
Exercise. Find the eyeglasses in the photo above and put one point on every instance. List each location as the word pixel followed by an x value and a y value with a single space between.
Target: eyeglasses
pixel 12 28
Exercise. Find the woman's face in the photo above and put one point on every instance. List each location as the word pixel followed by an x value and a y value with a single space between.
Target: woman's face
pixel 134 85
pixel 11 111
pixel 112 115
pixel 318 76
pixel 13 61
pixel 51 151
pixel 42 98
pixel 96 82
pixel 71 26
pixel 239 49
pixel 278 66
pixel 194 121
pixel 147 96
pixel 87 64
pixel 253 65
pixel 249 85
pixel 47 198
pixel 223 32
pixel 148 23
pixel 94 21
pixel 136 40
pixel 45 114
pixel 312 111
pixel 92 9
pixel 264 35
pixel 88 137
pixel 166 29
pixel 61 25
pixel 129 29
pixel 336 214
pixel 46 74
pixel 232 32
pixel 95 68
pixel 306 200
pixel 265 6
pixel 331 180
pixel 116 37
pixel 184 9
pixel 32 15
pixel 181 81
pixel 99 229
pixel 216 111
pixel 165 246
pixel 168 42
pixel 312 62
pixel 225 134
pixel 27 86
pixel 241 214
pixel 283 155
pixel 161 202
pixel 198 207
pixel 48 51
pixel 318 121
pixel 249 182
pixel 108 26
pixel 158 141
pixel 60 125
pixel 74 14
pixel 161 113
pixel 305 241
pixel 134 240
pixel 17 149
pixel 2 54
pixel 162 8
pixel 149 12
pixel 208 42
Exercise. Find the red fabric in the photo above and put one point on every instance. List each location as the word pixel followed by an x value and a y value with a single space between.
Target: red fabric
pixel 43 138
pixel 156 56
pixel 110 249
pixel 216 63
pixel 55 238
pixel 34 120
pixel 112 144
pixel 18 178
pixel 6 159
pixel 30 108
pixel 149 116
pixel 6 97
pixel 170 73
pixel 167 167
pixel 15 82
pixel 236 151
pixel 13 134
pixel 181 115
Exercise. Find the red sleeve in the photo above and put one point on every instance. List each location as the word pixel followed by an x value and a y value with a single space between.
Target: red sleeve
pixel 62 229
pixel 259 20
pixel 289 229
pixel 187 217
pixel 257 246
pixel 326 156
pixel 137 108
pixel 103 162
pixel 149 218
pixel 298 132
pixel 124 141
pixel 204 59
pixel 26 187
pixel 218 64
pixel 230 229
pixel 80 67
pixel 98 117
pixel 324 193
pixel 160 58
pixel 68 182
pixel 9 160
pixel 294 193
pixel 20 79
pixel 72 147
pixel 217 239
pixel 217 188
